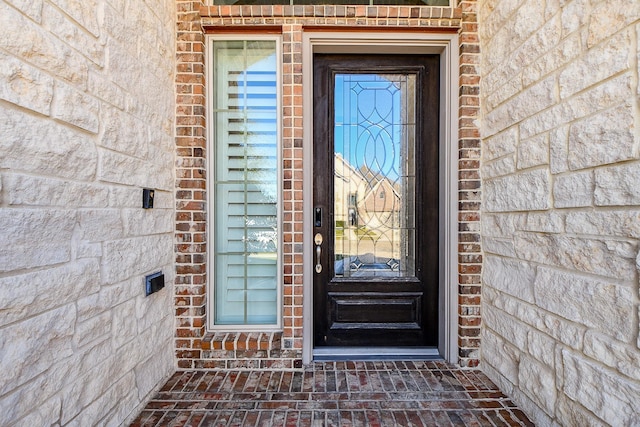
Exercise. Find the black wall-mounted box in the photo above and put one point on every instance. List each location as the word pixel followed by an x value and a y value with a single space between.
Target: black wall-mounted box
pixel 147 198
pixel 154 282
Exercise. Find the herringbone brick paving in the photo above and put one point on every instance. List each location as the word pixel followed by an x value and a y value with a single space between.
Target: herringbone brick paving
pixel 387 393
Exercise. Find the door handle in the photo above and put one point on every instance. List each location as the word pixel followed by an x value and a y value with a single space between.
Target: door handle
pixel 318 241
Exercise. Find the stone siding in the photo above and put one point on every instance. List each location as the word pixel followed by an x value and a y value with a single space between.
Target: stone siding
pixel 195 346
pixel 86 121
pixel 561 207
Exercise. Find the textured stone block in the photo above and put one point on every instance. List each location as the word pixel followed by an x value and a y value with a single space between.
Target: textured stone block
pixel 500 167
pixel 574 15
pixel 97 384
pixel 623 357
pixel 573 190
pixel 147 221
pixel 538 382
pixel 498 224
pixel 542 222
pixel 44 414
pixel 618 185
pixel 36 237
pixel 539 45
pixel 99 225
pixel 136 256
pixel 501 144
pixel 607 137
pixel 88 250
pixel 75 107
pixel 103 408
pixel 555 58
pixel 559 150
pixel 101 87
pixel 29 190
pixel 545 121
pixel 533 152
pixel 571 413
pixel 124 325
pixel 497 246
pixel 534 99
pixel 108 297
pixel 23 38
pixel 604 306
pixel 507 326
pixel 588 53
pixel 122 169
pixel 23 400
pixel 600 97
pixel 597 64
pixel 611 397
pixel 602 256
pixel 502 93
pixel 91 383
pixel 96 328
pixel 153 371
pixel 560 329
pixel 24 85
pixel 146 310
pixel 521 192
pixel 528 103
pixel 495 77
pixel 73 34
pixel 509 275
pixel 620 223
pixel 22 345
pixel 47 289
pixel 45 147
pixel 495 17
pixel 31 8
pixel 124 133
pixel 83 12
pixel 607 18
pixel 542 347
pixel 501 355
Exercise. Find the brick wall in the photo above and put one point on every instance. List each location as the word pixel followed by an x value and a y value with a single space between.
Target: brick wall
pixel 195 347
pixel 86 121
pixel 561 209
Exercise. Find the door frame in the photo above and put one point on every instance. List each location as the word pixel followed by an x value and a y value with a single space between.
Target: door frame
pixel 446 45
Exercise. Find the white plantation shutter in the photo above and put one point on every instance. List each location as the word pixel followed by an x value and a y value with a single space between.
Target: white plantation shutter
pixel 246 186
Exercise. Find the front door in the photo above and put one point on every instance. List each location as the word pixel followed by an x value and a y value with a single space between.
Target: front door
pixel 376 200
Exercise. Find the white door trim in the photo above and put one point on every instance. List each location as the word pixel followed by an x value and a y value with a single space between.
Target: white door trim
pixel 446 45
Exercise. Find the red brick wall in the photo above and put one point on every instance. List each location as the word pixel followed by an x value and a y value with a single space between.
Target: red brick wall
pixel 191 247
pixel 469 250
pixel 194 346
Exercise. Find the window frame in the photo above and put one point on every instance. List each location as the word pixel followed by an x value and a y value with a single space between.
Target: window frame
pixel 210 91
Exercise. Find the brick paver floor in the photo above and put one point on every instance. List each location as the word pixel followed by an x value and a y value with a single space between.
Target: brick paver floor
pixel 388 393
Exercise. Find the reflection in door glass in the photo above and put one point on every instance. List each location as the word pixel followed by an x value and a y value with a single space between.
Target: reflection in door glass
pixel 374 181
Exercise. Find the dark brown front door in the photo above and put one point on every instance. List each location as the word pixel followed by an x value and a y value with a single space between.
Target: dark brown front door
pixel 376 200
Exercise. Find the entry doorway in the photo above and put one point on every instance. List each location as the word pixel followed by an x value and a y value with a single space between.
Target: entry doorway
pixel 376 195
pixel 445 45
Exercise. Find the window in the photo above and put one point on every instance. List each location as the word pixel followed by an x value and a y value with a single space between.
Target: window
pixel 243 212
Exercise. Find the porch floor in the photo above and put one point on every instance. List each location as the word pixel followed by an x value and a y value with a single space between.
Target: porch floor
pixel 386 393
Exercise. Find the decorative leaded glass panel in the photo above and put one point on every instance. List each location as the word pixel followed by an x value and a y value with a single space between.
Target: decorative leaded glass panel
pixel 374 182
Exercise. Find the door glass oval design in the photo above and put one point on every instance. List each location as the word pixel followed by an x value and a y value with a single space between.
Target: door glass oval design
pixel 374 175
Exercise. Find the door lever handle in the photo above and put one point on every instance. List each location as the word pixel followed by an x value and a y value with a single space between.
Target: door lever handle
pixel 318 241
